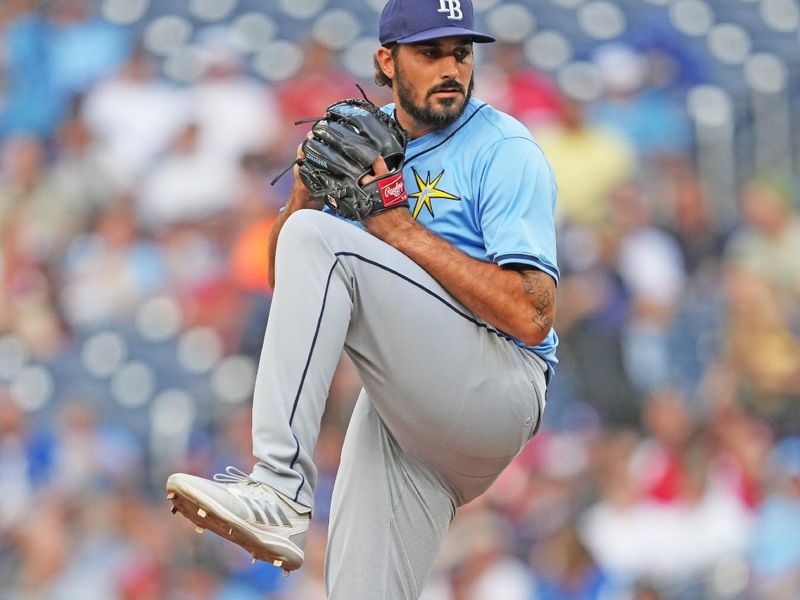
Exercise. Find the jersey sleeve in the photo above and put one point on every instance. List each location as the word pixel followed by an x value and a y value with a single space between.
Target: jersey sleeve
pixel 516 205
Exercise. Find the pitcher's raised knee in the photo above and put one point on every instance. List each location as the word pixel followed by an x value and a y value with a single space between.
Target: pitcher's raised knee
pixel 308 230
pixel 305 231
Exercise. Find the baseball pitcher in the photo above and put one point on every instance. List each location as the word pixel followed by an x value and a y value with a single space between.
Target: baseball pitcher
pixel 418 238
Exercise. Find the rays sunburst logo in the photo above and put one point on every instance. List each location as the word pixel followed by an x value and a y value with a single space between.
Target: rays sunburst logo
pixel 428 190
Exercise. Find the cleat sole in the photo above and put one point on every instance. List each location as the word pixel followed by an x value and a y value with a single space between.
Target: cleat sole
pixel 269 551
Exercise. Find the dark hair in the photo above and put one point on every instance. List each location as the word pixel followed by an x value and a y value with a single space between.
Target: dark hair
pixel 380 77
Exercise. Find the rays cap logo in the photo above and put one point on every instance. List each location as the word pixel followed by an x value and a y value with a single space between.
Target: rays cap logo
pixel 409 21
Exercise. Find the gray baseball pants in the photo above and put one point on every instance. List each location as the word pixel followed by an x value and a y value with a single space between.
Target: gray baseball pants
pixel 447 402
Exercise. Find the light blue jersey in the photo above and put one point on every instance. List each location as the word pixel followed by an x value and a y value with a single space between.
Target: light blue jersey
pixel 485 186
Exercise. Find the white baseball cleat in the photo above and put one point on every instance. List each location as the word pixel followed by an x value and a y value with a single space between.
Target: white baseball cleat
pixel 270 526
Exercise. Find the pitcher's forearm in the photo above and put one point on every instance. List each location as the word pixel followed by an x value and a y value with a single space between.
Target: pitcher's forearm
pixel 521 302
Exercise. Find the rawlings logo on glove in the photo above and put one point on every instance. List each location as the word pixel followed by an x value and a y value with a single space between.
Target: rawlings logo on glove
pixel 393 190
pixel 339 155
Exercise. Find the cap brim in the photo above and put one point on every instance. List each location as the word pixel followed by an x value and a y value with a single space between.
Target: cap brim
pixel 442 32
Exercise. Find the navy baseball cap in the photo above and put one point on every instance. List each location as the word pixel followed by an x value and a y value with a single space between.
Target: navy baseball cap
pixel 408 21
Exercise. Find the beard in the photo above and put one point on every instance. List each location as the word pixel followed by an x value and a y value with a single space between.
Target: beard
pixel 427 114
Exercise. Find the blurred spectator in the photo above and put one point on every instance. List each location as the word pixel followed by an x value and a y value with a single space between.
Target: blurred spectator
pixel 110 270
pixel 762 261
pixel 135 116
pixel 193 259
pixel 651 267
pixel 588 162
pixel 507 82
pixel 256 209
pixel 196 581
pixel 769 241
pixel 36 226
pixel 101 553
pixel 235 115
pixel 545 487
pixel 83 174
pixel 43 547
pixel 318 84
pixel 646 116
pixel 765 368
pixel 686 214
pixel 659 458
pixel 142 581
pixel 84 48
pixel 474 562
pixel 45 219
pixel 28 296
pixel 674 545
pixel 25 463
pixel 742 447
pixel 53 54
pixel 28 107
pixel 566 569
pixel 249 261
pixel 775 548
pixel 593 307
pixel 187 185
pixel 92 454
pixel 197 269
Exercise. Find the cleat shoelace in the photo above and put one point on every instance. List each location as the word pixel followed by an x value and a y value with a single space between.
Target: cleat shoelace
pixel 234 475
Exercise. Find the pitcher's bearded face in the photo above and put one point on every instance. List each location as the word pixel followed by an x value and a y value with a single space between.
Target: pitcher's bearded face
pixel 434 80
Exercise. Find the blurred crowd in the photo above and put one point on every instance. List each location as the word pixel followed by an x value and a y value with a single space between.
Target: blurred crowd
pixel 138 209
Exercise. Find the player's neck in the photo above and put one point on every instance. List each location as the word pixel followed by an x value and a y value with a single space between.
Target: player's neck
pixel 416 127
pixel 413 128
